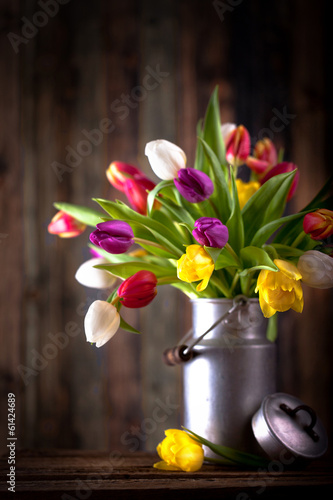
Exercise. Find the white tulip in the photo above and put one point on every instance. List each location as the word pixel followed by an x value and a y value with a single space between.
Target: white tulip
pixel 165 158
pixel 88 275
pixel 316 269
pixel 101 322
pixel 226 129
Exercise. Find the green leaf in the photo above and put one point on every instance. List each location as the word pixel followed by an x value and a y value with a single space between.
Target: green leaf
pixel 262 235
pixel 267 204
pixel 212 127
pixel 272 329
pixel 286 251
pixel 219 175
pixel 154 192
pixel 225 259
pixel 127 327
pixel 255 258
pixel 199 157
pixel 235 222
pixel 213 252
pixel 86 215
pixel 238 457
pixel 126 269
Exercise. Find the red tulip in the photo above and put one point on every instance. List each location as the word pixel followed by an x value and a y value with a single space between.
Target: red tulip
pixel 138 290
pixel 136 190
pixel 65 226
pixel 238 146
pixel 319 224
pixel 283 168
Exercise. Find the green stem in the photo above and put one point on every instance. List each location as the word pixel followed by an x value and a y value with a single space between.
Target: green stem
pixel 234 283
pixel 142 241
pixel 298 240
pixel 232 252
pixel 219 461
pixel 221 286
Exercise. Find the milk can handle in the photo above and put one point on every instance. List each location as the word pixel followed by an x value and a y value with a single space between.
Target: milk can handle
pixel 182 353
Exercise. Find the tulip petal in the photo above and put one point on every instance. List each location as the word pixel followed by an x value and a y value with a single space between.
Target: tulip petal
pixel 101 322
pixel 164 466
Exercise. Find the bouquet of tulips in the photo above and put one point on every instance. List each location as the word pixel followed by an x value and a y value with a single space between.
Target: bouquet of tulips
pixel 203 229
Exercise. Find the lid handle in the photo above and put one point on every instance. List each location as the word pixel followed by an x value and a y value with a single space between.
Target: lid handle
pixel 310 411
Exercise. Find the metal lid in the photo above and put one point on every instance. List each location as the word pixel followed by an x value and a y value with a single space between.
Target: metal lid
pixel 283 422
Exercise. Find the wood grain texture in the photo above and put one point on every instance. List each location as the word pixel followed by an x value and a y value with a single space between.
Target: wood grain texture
pixel 72 474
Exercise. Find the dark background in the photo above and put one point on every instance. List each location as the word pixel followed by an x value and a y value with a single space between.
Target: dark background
pixel 269 58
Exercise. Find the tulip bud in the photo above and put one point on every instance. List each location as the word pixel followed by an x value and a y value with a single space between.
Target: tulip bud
pixel 238 146
pixel 65 226
pixel 90 276
pixel 281 290
pixel 319 224
pixel 136 190
pixel 283 168
pixel 195 265
pixel 316 269
pixel 101 322
pixel 194 185
pixel 138 290
pixel 179 451
pixel 118 173
pixel 210 232
pixel 165 158
pixel 264 156
pixel 114 236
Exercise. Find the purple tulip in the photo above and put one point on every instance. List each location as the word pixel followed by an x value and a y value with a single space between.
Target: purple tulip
pixel 114 236
pixel 194 185
pixel 210 232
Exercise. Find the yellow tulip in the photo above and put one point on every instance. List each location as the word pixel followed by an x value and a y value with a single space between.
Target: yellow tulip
pixel 281 290
pixel 195 265
pixel 245 190
pixel 179 451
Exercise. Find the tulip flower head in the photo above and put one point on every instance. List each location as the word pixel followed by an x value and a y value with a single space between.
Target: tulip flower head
pixel 210 232
pixel 165 158
pixel 179 451
pixel 195 265
pixel 238 144
pixel 319 224
pixel 245 190
pixel 226 129
pixel 114 236
pixel 101 322
pixel 316 269
pixel 118 172
pixel 90 276
pixel 136 191
pixel 138 290
pixel 283 168
pixel 281 290
pixel 264 156
pixel 134 183
pixel 65 226
pixel 195 186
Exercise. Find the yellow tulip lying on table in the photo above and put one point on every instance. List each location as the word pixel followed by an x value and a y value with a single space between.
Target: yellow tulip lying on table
pixel 183 451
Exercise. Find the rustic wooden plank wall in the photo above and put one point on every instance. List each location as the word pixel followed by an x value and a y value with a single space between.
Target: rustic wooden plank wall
pixel 69 76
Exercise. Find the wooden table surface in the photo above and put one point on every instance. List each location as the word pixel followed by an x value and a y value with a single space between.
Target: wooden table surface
pixel 73 474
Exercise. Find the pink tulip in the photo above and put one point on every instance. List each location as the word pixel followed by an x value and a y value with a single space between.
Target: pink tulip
pixel 237 146
pixel 65 226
